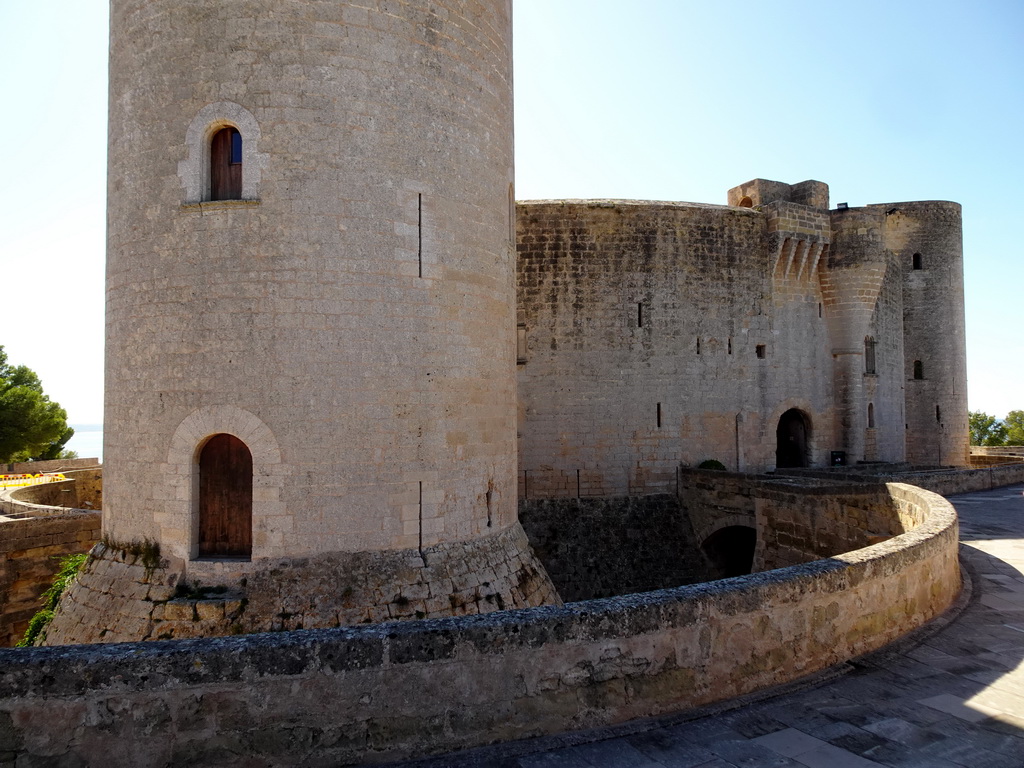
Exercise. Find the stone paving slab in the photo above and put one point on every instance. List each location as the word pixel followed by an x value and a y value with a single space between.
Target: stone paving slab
pixel 949 696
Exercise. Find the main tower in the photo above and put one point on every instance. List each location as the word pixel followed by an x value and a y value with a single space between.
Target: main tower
pixel 310 397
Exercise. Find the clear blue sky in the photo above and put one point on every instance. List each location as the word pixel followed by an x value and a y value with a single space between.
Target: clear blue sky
pixel 652 99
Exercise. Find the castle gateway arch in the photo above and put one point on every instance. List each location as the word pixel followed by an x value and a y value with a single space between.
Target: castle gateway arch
pixel 792 439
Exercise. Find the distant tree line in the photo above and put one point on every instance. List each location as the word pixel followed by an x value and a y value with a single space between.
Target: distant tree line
pixel 989 430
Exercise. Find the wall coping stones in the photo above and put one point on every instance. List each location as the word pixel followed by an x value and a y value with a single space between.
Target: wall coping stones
pixel 620 203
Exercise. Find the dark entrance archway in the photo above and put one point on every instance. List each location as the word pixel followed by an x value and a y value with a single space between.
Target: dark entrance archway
pixel 730 550
pixel 225 498
pixel 792 437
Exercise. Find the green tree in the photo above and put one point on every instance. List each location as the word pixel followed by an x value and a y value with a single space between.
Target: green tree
pixel 1014 428
pixel 985 429
pixel 31 425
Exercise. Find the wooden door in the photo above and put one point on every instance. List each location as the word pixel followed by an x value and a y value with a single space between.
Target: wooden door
pixel 226 165
pixel 225 498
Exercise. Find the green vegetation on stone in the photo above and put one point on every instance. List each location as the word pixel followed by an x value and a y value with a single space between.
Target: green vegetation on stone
pixel 70 566
pixel 146 552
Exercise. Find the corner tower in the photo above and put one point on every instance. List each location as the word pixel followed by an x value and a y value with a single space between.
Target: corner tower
pixel 310 397
pixel 926 242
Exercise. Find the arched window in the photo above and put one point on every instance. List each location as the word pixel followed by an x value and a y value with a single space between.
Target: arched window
pixel 746 202
pixel 225 498
pixel 917 261
pixel 869 354
pixel 223 161
pixel 918 369
pixel 226 165
pixel 871 415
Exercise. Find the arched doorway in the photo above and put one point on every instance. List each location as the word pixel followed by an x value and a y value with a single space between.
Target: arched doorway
pixel 792 437
pixel 225 498
pixel 730 550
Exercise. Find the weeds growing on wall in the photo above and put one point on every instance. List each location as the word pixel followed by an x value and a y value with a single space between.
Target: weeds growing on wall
pixel 145 552
pixel 69 569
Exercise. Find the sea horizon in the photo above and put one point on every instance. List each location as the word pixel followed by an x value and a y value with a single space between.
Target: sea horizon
pixel 87 441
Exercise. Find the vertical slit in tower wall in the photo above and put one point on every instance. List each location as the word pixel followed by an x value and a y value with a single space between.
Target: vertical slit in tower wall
pixel 577 484
pixel 659 415
pixel 639 315
pixel 421 519
pixel 419 230
pixel 739 418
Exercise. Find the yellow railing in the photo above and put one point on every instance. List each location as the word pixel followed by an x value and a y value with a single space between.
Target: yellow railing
pixel 16 481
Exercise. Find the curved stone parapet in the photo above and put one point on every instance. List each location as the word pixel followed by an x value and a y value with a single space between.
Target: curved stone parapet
pixel 395 690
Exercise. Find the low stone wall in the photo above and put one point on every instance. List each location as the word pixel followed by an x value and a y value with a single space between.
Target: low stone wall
pixel 984 462
pixel 54 465
pixel 1005 451
pixel 950 482
pixel 801 524
pixel 797 519
pixel 30 553
pixel 947 481
pixel 83 489
pixel 603 547
pixel 385 692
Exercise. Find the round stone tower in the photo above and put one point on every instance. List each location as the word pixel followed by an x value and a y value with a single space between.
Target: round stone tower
pixel 926 240
pixel 310 398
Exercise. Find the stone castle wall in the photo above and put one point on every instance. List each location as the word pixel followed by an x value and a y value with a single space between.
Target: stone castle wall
pixel 653 335
pixel 386 692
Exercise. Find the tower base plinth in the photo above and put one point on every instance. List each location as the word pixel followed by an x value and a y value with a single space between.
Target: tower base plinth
pixel 124 596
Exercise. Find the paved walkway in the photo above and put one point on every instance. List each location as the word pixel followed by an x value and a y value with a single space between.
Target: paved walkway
pixel 947 697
